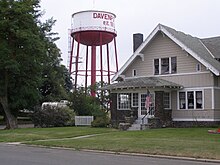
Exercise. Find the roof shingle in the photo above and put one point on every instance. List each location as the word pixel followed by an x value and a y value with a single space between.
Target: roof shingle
pixel 140 82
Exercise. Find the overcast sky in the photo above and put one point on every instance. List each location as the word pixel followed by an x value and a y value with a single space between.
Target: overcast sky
pixel 198 18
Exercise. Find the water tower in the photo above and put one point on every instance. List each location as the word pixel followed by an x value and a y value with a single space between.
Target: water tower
pixel 93 30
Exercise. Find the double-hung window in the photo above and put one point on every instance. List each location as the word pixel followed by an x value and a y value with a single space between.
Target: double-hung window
pixel 173 64
pixel 134 99
pixel 165 65
pixel 124 101
pixel 166 100
pixel 191 100
pixel 156 66
pixel 199 100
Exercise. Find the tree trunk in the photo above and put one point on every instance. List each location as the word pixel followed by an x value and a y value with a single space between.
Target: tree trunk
pixel 11 120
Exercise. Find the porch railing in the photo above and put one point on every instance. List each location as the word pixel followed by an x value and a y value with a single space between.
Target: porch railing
pixel 150 112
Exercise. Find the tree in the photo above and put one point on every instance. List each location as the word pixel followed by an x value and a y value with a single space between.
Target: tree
pixel 56 78
pixel 83 104
pixel 22 52
pixel 101 94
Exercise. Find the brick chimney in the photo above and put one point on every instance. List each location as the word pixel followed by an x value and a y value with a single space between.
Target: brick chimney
pixel 137 40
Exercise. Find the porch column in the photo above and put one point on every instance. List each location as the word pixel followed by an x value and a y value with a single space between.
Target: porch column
pixel 159 107
pixel 114 116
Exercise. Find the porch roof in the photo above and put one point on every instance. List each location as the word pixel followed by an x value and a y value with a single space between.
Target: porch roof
pixel 142 82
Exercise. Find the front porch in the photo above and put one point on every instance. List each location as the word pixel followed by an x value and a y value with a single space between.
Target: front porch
pixel 142 101
pixel 152 116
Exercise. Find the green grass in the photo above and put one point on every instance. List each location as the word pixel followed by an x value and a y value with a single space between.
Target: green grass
pixel 33 134
pixel 189 142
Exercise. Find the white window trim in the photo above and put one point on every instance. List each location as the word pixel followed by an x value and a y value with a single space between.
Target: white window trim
pixel 122 109
pixel 186 100
pixel 132 100
pixel 169 101
pixel 170 66
pixel 134 70
pixel 159 66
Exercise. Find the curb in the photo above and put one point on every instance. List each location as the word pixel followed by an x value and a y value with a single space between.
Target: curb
pixel 153 156
pixel 123 153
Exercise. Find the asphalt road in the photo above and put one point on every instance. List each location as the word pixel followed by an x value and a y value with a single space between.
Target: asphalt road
pixel 25 155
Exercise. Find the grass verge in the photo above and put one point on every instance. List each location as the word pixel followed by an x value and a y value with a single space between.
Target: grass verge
pixel 186 142
pixel 33 134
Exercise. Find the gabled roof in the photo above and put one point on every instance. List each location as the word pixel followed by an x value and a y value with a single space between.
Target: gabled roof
pixel 213 44
pixel 143 82
pixel 204 50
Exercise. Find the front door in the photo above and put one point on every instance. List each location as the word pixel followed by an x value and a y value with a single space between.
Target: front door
pixel 146 105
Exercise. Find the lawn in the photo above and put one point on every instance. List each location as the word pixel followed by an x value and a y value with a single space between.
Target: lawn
pixel 33 134
pixel 188 142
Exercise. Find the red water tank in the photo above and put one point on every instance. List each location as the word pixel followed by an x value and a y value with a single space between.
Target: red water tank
pixel 93 28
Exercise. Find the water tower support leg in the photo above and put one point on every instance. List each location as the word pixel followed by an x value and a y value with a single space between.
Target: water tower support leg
pixel 107 49
pixel 71 57
pixel 101 66
pixel 77 61
pixel 116 56
pixel 86 75
pixel 93 71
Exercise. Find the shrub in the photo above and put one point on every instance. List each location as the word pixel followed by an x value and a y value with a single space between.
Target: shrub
pixel 100 122
pixel 53 117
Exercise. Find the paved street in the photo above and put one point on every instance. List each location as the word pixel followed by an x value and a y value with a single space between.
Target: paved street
pixel 24 155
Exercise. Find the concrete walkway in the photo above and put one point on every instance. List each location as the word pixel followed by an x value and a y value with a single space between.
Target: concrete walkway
pixel 61 139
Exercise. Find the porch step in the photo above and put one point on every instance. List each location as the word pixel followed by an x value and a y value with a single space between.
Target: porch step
pixel 138 121
pixel 134 127
pixel 137 124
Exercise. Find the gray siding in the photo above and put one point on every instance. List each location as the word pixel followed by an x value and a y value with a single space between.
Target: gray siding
pixel 205 114
pixel 217 114
pixel 192 80
pixel 187 76
pixel 208 99
pixel 193 115
pixel 174 100
pixel 162 47
pixel 217 99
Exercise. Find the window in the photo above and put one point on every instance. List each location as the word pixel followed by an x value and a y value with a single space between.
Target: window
pixel 134 72
pixel 165 65
pixel 191 100
pixel 198 67
pixel 124 101
pixel 135 100
pixel 182 100
pixel 166 100
pixel 156 66
pixel 199 100
pixel 173 64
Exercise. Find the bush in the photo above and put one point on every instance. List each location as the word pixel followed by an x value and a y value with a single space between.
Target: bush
pixel 100 122
pixel 84 105
pixel 53 117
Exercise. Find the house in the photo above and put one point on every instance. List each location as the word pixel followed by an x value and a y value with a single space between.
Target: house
pixel 172 79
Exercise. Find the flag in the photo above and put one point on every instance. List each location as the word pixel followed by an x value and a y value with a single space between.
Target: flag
pixel 148 100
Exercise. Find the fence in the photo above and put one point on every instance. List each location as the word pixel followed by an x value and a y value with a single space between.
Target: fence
pixel 83 120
